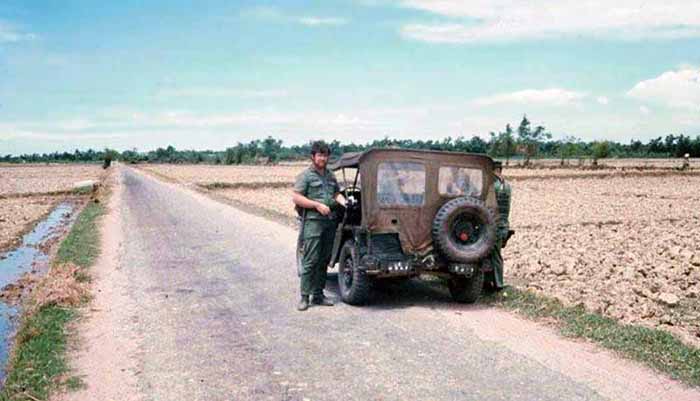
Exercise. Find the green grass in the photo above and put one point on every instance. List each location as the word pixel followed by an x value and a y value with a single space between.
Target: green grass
pixel 38 360
pixel 39 355
pixel 87 190
pixel 653 347
pixel 82 245
pixel 74 383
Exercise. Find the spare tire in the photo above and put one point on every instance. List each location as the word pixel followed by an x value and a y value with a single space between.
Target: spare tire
pixel 464 230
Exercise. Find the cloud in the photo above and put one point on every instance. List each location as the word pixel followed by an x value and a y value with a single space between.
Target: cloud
pixel 602 100
pixel 553 97
pixel 513 20
pixel 262 12
pixel 275 14
pixel 644 110
pixel 678 89
pixel 131 120
pixel 317 21
pixel 245 119
pixel 9 33
pixel 222 92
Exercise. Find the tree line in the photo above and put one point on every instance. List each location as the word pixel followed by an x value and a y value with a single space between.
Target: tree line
pixel 522 143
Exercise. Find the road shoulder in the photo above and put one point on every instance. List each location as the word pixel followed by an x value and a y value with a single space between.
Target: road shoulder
pixel 105 349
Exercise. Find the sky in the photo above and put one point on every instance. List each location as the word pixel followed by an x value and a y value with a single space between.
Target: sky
pixel 208 74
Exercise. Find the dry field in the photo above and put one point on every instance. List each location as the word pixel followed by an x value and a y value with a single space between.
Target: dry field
pixel 29 192
pixel 616 163
pixel 18 214
pixel 627 246
pixel 208 174
pixel 522 174
pixel 20 180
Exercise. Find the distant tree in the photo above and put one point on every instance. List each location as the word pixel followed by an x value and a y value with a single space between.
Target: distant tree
pixel 504 144
pixel 478 145
pixel 683 145
pixel 636 147
pixel 509 143
pixel 568 148
pixel 656 146
pixel 530 140
pixel 271 149
pixel 230 156
pixel 109 156
pixel 601 150
pixel 131 156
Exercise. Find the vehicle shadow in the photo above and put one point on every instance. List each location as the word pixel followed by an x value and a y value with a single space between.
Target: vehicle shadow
pixel 416 292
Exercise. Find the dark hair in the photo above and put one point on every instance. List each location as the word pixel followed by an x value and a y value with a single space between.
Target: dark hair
pixel 497 165
pixel 320 147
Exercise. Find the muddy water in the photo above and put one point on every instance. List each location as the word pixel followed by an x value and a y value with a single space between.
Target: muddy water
pixel 27 257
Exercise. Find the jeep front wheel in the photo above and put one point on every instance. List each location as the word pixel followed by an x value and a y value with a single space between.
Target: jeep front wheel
pixel 353 283
pixel 466 289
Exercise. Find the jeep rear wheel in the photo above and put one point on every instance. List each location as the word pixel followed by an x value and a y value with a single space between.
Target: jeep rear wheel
pixel 464 230
pixel 466 289
pixel 354 284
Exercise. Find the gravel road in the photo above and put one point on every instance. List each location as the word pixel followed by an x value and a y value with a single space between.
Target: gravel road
pixel 207 312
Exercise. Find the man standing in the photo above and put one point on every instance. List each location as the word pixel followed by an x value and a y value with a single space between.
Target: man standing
pixel 503 193
pixel 316 191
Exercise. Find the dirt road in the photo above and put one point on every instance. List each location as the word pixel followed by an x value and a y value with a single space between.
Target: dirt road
pixel 199 304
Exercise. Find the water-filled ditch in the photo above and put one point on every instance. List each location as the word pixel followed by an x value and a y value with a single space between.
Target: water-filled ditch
pixel 30 255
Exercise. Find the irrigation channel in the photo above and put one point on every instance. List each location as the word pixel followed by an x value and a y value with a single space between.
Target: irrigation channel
pixel 29 256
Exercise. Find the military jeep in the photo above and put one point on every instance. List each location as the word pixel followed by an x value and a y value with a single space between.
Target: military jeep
pixel 413 212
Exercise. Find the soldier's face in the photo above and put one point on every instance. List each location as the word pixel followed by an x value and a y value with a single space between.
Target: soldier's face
pixel 320 160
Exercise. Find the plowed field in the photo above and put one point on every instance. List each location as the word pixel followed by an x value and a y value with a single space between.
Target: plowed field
pixel 28 192
pixel 626 247
pixel 208 174
pixel 41 179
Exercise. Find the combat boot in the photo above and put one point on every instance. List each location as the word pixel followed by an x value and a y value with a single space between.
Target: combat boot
pixel 321 300
pixel 303 304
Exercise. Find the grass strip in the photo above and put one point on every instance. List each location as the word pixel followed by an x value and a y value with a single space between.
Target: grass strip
pixel 82 245
pixel 653 347
pixel 39 355
pixel 38 358
pixel 246 185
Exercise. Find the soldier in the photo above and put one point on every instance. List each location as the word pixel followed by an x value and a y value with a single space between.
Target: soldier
pixel 316 191
pixel 503 232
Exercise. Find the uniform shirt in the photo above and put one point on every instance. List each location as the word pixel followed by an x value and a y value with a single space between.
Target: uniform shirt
pixel 503 195
pixel 317 187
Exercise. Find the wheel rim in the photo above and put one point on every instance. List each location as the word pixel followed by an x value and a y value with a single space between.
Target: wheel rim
pixel 466 230
pixel 347 271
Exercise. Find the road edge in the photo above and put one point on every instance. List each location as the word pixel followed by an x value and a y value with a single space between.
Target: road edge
pixel 102 352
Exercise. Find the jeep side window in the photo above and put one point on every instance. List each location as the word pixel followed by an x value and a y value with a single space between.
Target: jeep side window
pixel 401 184
pixel 460 181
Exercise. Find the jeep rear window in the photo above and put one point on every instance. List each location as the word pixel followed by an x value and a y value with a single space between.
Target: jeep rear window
pixel 401 184
pixel 460 181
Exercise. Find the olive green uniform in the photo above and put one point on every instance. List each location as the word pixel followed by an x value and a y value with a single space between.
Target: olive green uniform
pixel 319 230
pixel 503 194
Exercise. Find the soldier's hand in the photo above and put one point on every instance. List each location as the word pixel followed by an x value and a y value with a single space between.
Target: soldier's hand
pixel 323 209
